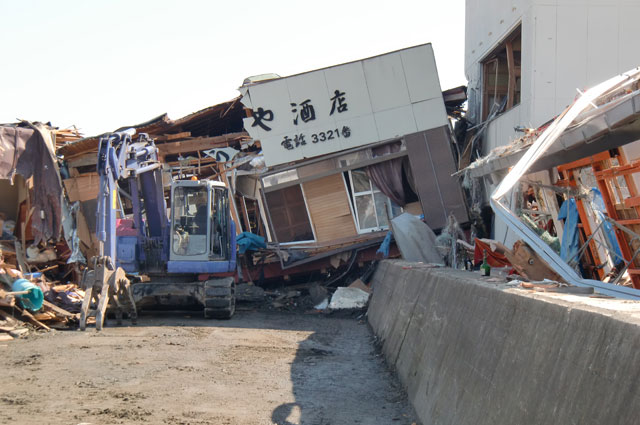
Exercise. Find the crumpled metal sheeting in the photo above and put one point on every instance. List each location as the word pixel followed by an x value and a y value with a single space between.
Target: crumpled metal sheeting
pixel 30 152
pixel 541 145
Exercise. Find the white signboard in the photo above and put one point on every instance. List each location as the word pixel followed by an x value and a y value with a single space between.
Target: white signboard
pixel 345 106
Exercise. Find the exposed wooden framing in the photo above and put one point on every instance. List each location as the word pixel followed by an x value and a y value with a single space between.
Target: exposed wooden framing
pixel 263 216
pixel 234 207
pixel 198 144
pixel 620 170
pixel 584 162
pixel 629 221
pixel 602 175
pixel 606 178
pixel 584 218
pixel 193 162
pixel 167 137
pixel 632 202
pixel 245 214
pixel 351 201
pixel 90 158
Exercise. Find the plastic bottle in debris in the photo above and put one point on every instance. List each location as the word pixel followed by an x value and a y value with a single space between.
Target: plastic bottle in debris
pixel 485 268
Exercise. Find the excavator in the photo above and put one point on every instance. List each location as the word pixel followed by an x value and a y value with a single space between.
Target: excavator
pixel 184 254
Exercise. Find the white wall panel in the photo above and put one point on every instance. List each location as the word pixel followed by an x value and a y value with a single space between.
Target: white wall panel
pixel 419 66
pixel 602 48
pixel 488 22
pixel 544 69
pixel 376 85
pixel 501 130
pixel 571 69
pixel 629 37
pixel 363 130
pixel 395 122
pixel 350 75
pixel 313 87
pixel 429 114
pixel 386 82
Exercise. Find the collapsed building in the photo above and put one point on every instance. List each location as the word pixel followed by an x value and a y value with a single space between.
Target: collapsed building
pixel 570 166
pixel 318 165
pixel 345 150
pixel 318 178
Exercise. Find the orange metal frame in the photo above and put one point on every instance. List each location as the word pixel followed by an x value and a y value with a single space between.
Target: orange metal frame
pixel 603 174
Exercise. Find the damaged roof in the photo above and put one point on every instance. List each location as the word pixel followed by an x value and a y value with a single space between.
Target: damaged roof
pixel 215 120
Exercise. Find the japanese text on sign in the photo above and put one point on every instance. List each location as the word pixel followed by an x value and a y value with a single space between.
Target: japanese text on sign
pixel 322 136
pixel 303 111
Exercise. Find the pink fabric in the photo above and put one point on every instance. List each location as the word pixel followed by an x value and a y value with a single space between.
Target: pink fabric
pixel 124 227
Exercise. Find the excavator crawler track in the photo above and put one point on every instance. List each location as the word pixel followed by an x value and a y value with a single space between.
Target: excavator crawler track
pixel 219 298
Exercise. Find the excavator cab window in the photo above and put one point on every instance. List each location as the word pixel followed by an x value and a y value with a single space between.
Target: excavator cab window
pixel 190 217
pixel 220 247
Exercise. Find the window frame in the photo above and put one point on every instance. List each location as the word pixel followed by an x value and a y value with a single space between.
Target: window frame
pixel 513 91
pixel 373 190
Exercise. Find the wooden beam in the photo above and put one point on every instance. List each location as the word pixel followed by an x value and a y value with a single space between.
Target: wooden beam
pixel 620 170
pixel 83 160
pixel 167 137
pixel 602 156
pixel 195 161
pixel 245 214
pixel 198 144
pixel 234 208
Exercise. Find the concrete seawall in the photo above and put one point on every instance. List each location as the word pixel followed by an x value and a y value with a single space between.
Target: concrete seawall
pixel 471 351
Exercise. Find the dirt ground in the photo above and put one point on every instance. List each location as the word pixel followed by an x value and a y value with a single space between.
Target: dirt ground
pixel 261 367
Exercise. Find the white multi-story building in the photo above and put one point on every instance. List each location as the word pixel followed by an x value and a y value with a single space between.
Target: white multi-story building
pixel 534 55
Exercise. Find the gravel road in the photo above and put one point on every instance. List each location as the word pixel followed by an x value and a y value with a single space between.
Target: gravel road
pixel 175 368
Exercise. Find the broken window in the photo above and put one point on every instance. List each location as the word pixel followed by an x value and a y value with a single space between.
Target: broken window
pixel 289 215
pixel 372 207
pixel 501 75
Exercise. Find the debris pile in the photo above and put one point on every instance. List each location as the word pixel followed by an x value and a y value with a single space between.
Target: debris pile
pixel 30 302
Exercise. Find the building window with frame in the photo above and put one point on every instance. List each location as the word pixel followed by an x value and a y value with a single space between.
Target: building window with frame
pixel 289 215
pixel 501 75
pixel 371 206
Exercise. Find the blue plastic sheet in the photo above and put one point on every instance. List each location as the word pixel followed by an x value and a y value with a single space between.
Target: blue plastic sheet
pixel 570 240
pixel 384 246
pixel 248 241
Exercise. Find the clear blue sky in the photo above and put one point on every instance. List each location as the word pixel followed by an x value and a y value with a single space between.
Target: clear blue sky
pixel 103 65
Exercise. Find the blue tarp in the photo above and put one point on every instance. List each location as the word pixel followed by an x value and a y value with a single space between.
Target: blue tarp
pixel 570 241
pixel 248 241
pixel 384 246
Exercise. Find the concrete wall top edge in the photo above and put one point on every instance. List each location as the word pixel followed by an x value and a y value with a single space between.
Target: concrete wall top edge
pixel 622 310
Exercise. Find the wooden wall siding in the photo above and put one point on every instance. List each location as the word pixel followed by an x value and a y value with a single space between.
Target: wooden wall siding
pixel 328 204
